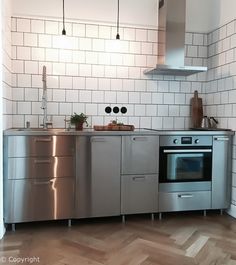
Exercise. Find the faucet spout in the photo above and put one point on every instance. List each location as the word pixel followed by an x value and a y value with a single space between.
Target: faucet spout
pixel 44 100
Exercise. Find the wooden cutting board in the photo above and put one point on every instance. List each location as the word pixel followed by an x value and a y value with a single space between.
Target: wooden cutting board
pixel 113 127
pixel 196 110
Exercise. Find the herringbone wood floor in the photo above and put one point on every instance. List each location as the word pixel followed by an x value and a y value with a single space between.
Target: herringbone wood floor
pixel 179 239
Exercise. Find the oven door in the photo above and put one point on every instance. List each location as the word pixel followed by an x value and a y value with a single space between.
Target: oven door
pixel 185 164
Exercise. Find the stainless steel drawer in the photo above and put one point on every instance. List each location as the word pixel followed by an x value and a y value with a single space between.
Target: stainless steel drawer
pixel 139 194
pixel 140 154
pixel 184 201
pixel 40 167
pixel 35 200
pixel 22 146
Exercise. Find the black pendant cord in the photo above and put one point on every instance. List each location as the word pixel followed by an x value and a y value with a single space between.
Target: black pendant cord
pixel 118 21
pixel 63 30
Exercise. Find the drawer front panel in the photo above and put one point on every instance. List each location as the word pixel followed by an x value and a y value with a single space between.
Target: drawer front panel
pixel 40 167
pixel 22 146
pixel 139 194
pixel 140 154
pixel 184 201
pixel 35 200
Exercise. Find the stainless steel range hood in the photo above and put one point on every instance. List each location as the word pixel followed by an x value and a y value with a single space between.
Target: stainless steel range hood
pixel 171 41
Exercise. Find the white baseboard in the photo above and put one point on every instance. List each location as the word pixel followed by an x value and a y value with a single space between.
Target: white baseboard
pixel 232 210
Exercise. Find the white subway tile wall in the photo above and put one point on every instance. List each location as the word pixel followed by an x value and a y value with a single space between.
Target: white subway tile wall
pixel 88 70
pixel 7 39
pixel 220 89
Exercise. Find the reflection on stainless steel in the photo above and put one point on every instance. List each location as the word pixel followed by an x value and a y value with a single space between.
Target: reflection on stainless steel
pixel 97 176
pixel 40 145
pixel 55 214
pixel 39 176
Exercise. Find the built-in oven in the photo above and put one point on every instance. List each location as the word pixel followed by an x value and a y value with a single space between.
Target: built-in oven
pixel 185 163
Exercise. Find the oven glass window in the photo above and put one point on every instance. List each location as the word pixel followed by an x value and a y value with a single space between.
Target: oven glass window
pixel 180 167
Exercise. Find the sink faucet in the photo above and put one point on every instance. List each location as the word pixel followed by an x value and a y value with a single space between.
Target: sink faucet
pixel 44 101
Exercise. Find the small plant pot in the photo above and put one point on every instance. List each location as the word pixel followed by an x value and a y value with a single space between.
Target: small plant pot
pixel 79 126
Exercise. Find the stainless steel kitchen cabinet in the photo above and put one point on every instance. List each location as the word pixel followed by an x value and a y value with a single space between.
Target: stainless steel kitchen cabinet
pixel 221 171
pixel 37 200
pixel 47 145
pixel 39 178
pixel 98 176
pixel 140 154
pixel 184 201
pixel 139 194
pixel 139 179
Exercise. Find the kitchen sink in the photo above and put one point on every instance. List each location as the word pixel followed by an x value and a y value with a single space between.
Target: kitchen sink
pixel 41 130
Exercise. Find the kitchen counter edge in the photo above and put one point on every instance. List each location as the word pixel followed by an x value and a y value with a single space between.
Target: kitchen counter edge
pixel 91 132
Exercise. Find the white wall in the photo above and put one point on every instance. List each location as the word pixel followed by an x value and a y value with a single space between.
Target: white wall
pixel 94 71
pixel 201 14
pixel 5 91
pixel 136 12
pixel 1 177
pixel 223 12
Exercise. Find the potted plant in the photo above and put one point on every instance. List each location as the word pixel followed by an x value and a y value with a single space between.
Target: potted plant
pixel 78 120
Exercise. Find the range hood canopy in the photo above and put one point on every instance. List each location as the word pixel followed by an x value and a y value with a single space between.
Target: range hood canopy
pixel 171 41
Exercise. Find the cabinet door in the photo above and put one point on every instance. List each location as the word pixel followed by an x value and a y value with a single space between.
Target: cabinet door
pixel 139 194
pixel 140 154
pixel 18 203
pixel 105 175
pixel 53 199
pixel 221 172
pixel 44 145
pixel 40 167
pixel 35 200
pixel 184 201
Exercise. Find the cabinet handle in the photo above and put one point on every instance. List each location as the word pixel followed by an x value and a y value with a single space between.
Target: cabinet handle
pixel 187 151
pixel 43 161
pixel 98 140
pixel 139 138
pixel 43 182
pixel 43 139
pixel 185 196
pixel 221 138
pixel 139 178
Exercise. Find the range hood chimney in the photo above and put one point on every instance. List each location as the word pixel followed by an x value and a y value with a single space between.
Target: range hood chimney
pixel 171 41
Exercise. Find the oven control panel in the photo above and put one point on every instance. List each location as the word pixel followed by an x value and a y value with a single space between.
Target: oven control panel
pixel 182 140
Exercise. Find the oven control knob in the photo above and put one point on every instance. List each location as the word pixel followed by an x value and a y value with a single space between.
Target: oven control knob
pixel 175 141
pixel 196 141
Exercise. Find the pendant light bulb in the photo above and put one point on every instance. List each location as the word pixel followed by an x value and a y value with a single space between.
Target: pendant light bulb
pixel 118 20
pixel 63 30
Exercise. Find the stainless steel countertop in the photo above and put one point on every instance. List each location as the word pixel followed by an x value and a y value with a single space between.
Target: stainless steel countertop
pixel 91 132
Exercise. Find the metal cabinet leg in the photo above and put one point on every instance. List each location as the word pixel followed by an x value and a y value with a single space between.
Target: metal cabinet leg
pixel 123 219
pixel 152 217
pixel 160 216
pixel 69 223
pixel 221 211
pixel 204 213
pixel 13 227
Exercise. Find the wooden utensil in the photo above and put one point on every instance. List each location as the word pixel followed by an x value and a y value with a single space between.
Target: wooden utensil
pixel 196 110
